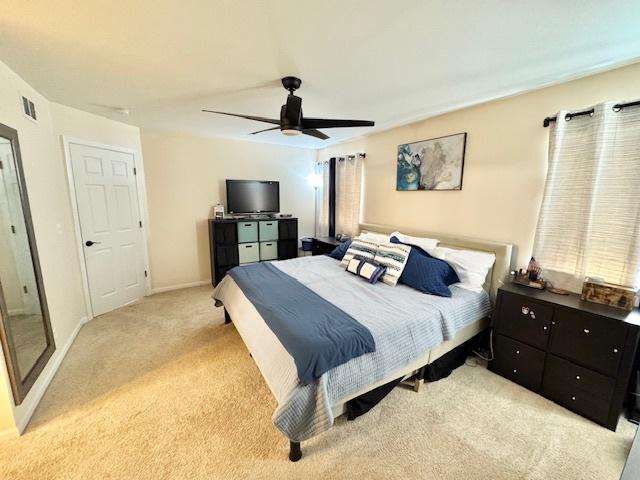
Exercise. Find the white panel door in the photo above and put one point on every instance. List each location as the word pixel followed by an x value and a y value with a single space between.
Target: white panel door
pixel 107 200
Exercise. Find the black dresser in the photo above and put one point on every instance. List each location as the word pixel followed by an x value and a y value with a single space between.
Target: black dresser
pixel 324 245
pixel 247 240
pixel 578 354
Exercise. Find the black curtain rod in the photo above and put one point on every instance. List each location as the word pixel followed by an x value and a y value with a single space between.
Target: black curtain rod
pixel 616 108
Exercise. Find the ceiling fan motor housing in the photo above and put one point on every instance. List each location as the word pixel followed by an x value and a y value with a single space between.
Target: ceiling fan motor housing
pixel 291 114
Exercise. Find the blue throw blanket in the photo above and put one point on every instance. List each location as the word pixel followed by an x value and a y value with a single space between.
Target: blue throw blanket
pixel 317 334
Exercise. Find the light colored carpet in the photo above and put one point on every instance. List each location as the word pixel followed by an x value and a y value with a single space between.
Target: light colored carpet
pixel 164 390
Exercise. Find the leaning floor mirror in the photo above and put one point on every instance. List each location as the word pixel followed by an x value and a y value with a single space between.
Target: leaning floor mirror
pixel 26 335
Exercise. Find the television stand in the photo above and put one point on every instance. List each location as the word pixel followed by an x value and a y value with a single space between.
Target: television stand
pixel 235 241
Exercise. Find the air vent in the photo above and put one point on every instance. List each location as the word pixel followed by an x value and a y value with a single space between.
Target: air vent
pixel 29 108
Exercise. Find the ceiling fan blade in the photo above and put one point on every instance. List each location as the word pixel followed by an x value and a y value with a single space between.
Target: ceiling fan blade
pixel 265 130
pixel 334 123
pixel 315 133
pixel 248 117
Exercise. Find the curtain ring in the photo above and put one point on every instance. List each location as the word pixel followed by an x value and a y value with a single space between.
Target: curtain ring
pixel 616 108
pixel 568 117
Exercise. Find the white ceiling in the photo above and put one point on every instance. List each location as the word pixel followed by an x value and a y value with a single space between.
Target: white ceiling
pixel 388 61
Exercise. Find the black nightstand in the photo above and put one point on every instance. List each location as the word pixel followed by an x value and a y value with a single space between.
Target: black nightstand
pixel 323 245
pixel 578 354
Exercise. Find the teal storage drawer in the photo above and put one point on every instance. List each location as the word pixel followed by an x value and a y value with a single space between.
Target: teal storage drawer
pixel 247 232
pixel 269 250
pixel 248 252
pixel 268 230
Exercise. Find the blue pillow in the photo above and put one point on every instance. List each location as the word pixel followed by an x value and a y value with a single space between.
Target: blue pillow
pixel 426 273
pixel 340 250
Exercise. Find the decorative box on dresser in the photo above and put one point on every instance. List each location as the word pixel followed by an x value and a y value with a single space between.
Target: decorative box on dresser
pixel 576 353
pixel 235 241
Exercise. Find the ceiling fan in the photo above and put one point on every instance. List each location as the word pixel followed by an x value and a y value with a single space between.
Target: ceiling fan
pixel 292 122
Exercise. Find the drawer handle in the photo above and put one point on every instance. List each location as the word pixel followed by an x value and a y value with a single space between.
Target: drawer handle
pixel 247 224
pixel 528 311
pixel 577 377
pixel 545 327
pixel 269 244
pixel 269 224
pixel 615 350
pixel 587 331
pixel 515 371
pixel 248 246
pixel 573 398
pixel 517 352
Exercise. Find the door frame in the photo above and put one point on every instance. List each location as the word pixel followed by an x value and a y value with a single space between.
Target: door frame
pixel 138 163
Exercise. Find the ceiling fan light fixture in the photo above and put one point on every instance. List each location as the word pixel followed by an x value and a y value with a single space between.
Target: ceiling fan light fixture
pixel 290 132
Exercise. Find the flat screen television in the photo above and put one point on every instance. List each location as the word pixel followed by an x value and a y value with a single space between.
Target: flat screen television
pixel 253 196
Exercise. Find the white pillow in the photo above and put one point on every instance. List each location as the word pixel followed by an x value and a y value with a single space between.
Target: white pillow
pixel 470 265
pixel 427 244
pixel 374 237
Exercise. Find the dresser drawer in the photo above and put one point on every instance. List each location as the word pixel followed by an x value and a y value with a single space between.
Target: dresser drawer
pixel 249 252
pixel 577 388
pixel 525 320
pixel 268 250
pixel 247 232
pixel 593 341
pixel 518 362
pixel 268 230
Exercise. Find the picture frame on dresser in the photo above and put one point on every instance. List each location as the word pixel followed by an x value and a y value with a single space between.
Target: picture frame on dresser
pixel 576 353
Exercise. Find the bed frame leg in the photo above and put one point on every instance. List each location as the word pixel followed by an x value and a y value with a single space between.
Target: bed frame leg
pixel 295 453
pixel 419 380
pixel 227 317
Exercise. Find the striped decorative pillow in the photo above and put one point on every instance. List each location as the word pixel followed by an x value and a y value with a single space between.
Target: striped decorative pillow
pixel 394 257
pixel 366 269
pixel 359 249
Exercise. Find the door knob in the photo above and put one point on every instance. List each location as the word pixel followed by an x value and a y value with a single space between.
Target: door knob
pixel 88 243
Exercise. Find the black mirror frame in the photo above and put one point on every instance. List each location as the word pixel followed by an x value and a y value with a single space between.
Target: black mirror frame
pixel 21 386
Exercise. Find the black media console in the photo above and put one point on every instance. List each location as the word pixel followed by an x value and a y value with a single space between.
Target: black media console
pixel 235 241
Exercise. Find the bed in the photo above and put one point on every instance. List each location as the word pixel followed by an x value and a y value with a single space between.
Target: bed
pixel 411 330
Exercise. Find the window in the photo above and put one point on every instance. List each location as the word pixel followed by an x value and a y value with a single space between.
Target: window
pixel 589 223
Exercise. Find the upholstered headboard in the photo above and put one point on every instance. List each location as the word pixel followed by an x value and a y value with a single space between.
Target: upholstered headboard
pixel 502 251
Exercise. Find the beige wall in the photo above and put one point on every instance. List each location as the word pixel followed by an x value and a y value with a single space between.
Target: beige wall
pixel 185 177
pixel 505 163
pixel 47 187
pixel 50 209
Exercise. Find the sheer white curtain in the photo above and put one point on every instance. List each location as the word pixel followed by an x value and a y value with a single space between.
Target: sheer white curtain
pixel 589 223
pixel 348 192
pixel 322 199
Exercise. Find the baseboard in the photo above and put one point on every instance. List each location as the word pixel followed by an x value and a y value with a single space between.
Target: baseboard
pixel 178 287
pixel 36 396
pixel 9 434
